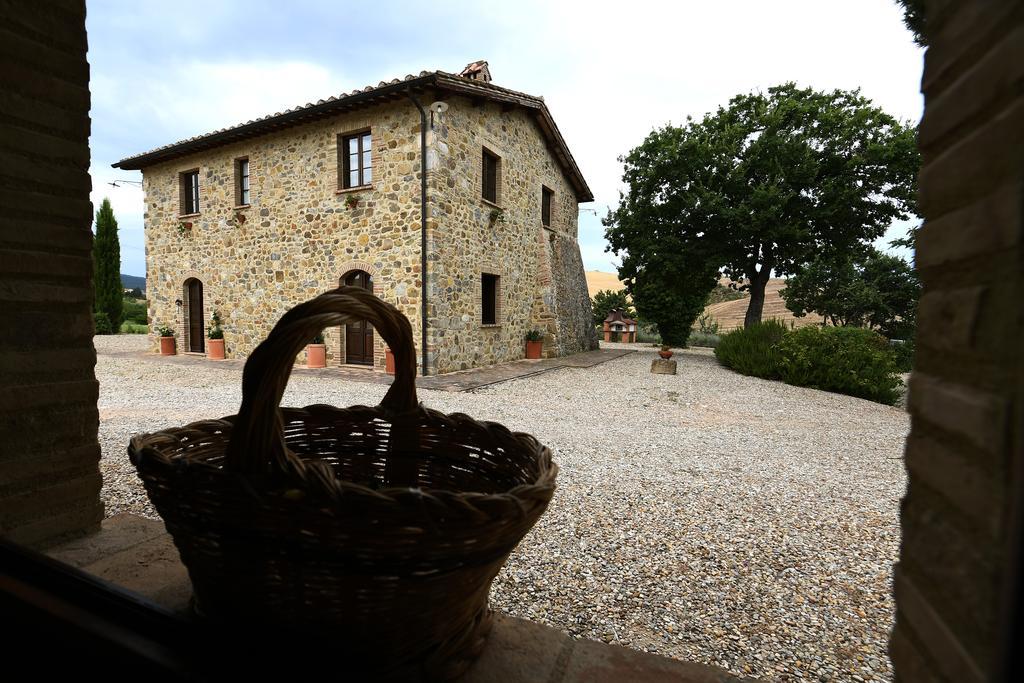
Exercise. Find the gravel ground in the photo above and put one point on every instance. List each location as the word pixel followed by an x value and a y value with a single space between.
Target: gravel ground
pixel 705 516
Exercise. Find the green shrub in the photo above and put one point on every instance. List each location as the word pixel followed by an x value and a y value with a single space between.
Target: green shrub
pixel 135 311
pixel 904 350
pixel 133 328
pixel 101 324
pixel 753 350
pixel 703 339
pixel 647 334
pixel 846 360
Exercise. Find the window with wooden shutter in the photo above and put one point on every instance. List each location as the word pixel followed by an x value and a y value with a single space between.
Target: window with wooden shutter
pixel 355 159
pixel 545 205
pixel 242 182
pixel 490 176
pixel 489 292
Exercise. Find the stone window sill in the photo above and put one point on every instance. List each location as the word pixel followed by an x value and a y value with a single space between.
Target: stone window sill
pixel 488 202
pixel 241 207
pixel 349 190
pixel 188 215
pixel 485 326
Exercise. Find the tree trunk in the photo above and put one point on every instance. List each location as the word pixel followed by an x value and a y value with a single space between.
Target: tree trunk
pixel 756 305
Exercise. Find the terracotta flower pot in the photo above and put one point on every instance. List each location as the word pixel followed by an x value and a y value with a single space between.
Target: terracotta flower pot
pixel 215 349
pixel 534 349
pixel 316 356
pixel 389 361
pixel 665 354
pixel 167 346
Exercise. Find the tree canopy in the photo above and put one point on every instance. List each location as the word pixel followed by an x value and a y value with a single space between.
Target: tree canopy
pixel 762 186
pixel 108 292
pixel 871 289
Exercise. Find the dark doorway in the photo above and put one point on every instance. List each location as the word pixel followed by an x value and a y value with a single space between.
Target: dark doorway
pixel 194 297
pixel 359 336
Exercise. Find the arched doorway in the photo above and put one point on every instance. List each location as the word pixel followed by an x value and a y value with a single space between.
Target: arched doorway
pixel 358 336
pixel 194 324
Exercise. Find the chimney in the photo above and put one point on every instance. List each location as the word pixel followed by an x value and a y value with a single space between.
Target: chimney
pixel 478 71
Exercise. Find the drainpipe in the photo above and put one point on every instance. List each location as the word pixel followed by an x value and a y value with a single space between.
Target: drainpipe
pixel 423 224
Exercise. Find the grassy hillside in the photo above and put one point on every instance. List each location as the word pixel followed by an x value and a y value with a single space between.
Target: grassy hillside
pixel 133 281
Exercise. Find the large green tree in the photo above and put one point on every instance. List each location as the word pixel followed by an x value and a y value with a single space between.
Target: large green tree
pixel 870 289
pixel 108 293
pixel 764 185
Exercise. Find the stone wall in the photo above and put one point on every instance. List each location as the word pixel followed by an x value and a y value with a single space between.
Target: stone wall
pixel 961 516
pixel 541 272
pixel 299 235
pixel 49 455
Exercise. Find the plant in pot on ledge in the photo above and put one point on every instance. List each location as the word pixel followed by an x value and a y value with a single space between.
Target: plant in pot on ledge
pixel 215 349
pixel 665 352
pixel 167 347
pixel 316 352
pixel 534 344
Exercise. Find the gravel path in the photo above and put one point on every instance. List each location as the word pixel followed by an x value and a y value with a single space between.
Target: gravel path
pixel 704 516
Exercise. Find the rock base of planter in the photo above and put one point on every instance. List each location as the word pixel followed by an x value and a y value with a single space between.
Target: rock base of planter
pixel 663 366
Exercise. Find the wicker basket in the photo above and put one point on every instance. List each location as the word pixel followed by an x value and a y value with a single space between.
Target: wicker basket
pixel 384 526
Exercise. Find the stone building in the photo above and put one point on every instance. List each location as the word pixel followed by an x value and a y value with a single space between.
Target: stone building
pixel 253 219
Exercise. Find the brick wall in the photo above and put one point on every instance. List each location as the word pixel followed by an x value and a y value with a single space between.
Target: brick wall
pixel 964 453
pixel 49 473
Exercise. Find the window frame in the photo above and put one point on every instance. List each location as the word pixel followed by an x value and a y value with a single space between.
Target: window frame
pixel 187 193
pixel 490 304
pixel 547 198
pixel 344 162
pixel 243 182
pixel 495 176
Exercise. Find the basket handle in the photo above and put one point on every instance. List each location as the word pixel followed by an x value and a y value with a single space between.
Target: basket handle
pixel 257 442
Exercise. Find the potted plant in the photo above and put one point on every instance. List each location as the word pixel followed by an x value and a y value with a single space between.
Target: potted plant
pixel 665 352
pixel 166 340
pixel 534 344
pixel 238 219
pixel 316 352
pixel 215 348
pixel 496 216
pixel 352 201
pixel 184 227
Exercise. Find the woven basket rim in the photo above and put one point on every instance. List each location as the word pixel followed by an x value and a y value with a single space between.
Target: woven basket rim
pixel 144 454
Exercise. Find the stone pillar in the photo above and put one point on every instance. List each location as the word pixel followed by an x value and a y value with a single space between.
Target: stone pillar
pixel 961 516
pixel 49 454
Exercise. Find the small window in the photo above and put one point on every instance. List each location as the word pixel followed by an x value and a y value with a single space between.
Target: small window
pixel 190 192
pixel 355 159
pixel 490 176
pixel 242 182
pixel 489 291
pixel 545 205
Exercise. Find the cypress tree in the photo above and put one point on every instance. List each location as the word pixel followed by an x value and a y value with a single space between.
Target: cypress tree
pixel 108 293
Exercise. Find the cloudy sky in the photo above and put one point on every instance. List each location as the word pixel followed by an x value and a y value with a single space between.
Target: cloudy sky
pixel 609 71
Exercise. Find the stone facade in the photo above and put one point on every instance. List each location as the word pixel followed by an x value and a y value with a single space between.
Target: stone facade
pixel 49 454
pixel 299 234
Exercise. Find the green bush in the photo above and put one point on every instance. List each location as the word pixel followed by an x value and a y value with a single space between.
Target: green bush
pixel 846 360
pixel 703 339
pixel 904 351
pixel 101 324
pixel 647 334
pixel 135 311
pixel 753 350
pixel 133 328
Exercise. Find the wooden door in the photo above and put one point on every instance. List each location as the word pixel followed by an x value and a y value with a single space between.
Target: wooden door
pixel 196 338
pixel 359 336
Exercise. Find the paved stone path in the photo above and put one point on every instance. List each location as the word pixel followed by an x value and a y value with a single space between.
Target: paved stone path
pixel 463 380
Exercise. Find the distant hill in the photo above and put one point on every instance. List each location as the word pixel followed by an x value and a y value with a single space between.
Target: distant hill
pixel 133 281
pixel 598 280
pixel 729 314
